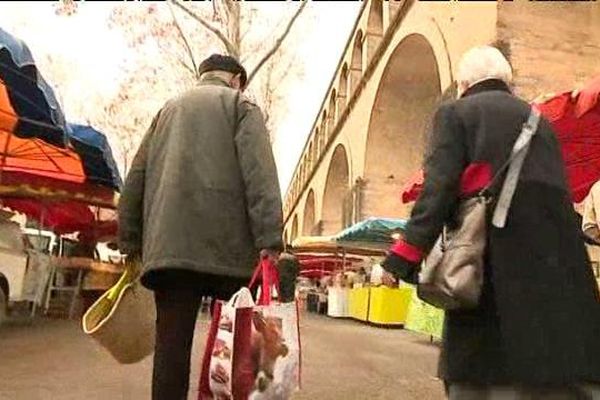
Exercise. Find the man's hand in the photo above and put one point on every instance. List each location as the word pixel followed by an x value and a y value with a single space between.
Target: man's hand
pixel 269 254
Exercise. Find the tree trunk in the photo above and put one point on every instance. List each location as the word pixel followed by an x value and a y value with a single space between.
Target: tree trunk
pixel 233 26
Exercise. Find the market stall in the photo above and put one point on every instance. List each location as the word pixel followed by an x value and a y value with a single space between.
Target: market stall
pixel 61 175
pixel 323 257
pixel 373 302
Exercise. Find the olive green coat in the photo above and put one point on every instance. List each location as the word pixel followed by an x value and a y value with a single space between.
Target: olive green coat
pixel 202 193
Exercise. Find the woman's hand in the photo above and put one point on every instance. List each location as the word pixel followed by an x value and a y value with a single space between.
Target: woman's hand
pixel 401 269
pixel 388 280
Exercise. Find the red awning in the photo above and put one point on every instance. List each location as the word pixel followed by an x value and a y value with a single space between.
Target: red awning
pixel 67 217
pixel 575 117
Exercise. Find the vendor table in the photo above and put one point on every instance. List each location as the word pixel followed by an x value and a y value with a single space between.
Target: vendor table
pixel 312 302
pixel 358 303
pixel 424 318
pixel 380 305
pixel 389 306
pixel 100 276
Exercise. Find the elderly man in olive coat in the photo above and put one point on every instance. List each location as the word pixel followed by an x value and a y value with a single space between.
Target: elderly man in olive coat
pixel 200 202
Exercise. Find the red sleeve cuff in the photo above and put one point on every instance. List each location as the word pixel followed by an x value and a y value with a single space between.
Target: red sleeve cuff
pixel 407 251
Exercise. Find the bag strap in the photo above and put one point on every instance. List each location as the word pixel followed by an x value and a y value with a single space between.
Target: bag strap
pixel 270 278
pixel 514 165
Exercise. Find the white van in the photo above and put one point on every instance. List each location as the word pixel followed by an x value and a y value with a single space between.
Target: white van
pixel 24 264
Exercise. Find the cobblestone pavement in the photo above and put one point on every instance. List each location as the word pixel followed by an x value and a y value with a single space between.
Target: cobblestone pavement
pixel 53 360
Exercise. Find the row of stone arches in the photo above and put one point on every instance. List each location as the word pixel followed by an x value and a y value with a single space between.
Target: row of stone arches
pixel 394 144
pixel 363 47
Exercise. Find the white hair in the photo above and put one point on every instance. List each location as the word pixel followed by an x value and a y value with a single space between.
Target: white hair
pixel 482 63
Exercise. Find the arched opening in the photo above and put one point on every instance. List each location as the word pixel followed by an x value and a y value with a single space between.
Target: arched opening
pixel 337 188
pixel 343 90
pixel 332 111
pixel 375 23
pixel 310 158
pixel 319 146
pixel 357 63
pixel 294 228
pixel 325 127
pixel 308 225
pixel 396 140
pixel 374 28
pixel 357 52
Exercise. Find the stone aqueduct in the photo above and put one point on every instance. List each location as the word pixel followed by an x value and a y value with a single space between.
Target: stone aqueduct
pixel 399 63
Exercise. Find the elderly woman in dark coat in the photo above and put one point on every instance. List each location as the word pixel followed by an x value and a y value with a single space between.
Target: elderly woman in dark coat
pixel 536 331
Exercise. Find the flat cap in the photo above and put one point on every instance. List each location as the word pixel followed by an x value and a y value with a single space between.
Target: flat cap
pixel 219 62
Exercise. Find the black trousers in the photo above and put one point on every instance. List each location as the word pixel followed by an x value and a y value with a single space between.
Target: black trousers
pixel 178 295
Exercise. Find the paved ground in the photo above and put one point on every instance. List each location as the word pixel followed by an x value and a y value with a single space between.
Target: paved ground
pixel 53 360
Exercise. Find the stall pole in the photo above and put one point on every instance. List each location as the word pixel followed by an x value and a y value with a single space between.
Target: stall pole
pixel 40 224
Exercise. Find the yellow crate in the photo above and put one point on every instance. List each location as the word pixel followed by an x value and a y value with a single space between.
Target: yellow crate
pixel 358 303
pixel 389 306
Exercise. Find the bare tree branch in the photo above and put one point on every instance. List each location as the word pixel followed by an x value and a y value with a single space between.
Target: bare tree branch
pixel 186 43
pixel 278 42
pixel 228 45
pixel 193 71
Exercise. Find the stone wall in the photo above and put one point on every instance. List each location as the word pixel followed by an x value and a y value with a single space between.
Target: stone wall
pixel 554 46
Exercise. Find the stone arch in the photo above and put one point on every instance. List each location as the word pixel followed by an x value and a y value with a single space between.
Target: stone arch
pixel 309 221
pixel 333 114
pixel 356 64
pixel 396 140
pixel 286 237
pixel 337 187
pixel 294 234
pixel 310 157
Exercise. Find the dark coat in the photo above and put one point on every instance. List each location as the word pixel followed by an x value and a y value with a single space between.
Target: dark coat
pixel 202 194
pixel 539 317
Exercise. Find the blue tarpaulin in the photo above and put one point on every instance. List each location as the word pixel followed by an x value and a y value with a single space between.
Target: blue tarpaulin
pixel 95 152
pixel 31 101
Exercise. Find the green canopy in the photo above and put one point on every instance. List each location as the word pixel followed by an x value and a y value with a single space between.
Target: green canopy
pixel 372 230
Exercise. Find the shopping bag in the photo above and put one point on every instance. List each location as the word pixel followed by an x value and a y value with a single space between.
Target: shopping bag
pixel 123 320
pixel 253 349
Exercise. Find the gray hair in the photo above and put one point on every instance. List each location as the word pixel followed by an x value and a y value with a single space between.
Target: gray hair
pixel 482 63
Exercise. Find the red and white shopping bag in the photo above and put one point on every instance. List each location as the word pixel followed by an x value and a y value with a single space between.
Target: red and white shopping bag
pixel 252 350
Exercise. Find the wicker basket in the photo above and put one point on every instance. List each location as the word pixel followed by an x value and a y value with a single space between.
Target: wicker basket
pixel 123 320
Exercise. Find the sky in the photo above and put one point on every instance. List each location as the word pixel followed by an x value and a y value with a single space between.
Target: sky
pixel 94 55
